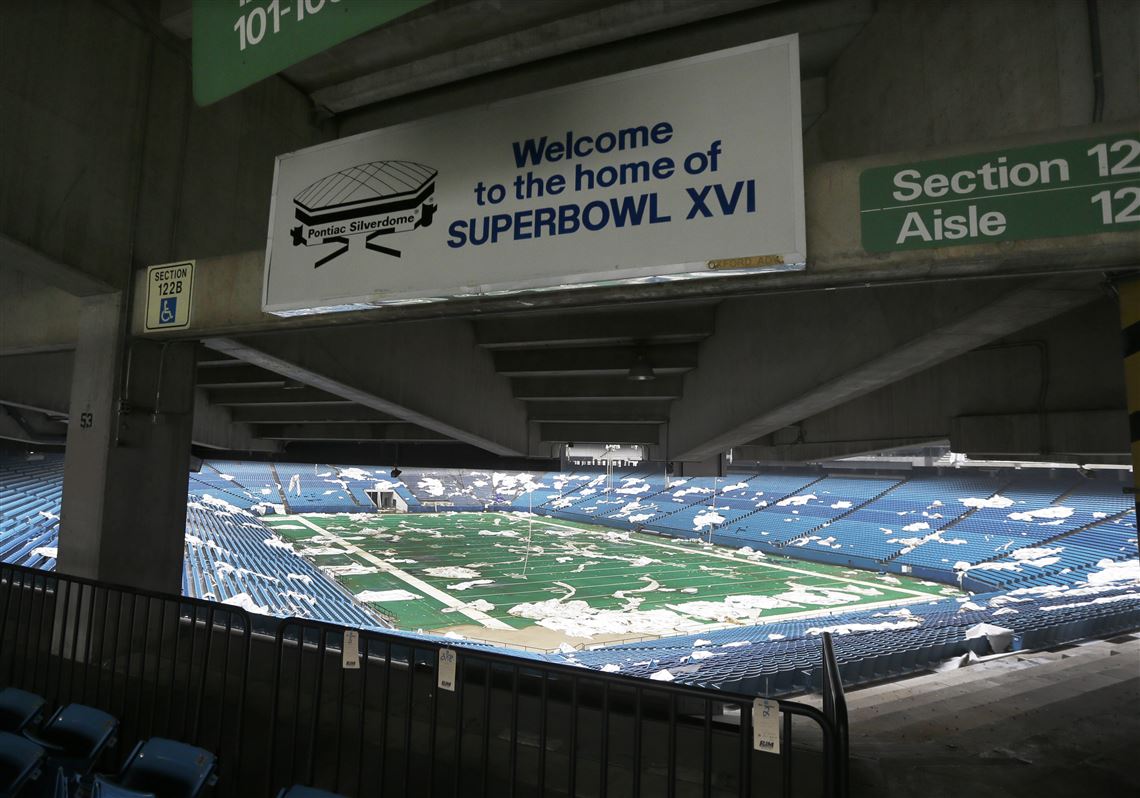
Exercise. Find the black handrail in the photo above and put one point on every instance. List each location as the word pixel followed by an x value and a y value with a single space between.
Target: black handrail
pixel 273 699
pixel 835 710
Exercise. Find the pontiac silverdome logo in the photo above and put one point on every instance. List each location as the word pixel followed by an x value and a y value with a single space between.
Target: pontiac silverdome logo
pixel 372 199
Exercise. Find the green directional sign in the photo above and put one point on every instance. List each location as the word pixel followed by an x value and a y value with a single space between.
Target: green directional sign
pixel 1068 188
pixel 239 42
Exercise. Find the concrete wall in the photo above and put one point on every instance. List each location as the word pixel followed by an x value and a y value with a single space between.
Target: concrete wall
pixel 1069 367
pixel 105 162
pixel 918 75
pixel 938 72
pixel 35 317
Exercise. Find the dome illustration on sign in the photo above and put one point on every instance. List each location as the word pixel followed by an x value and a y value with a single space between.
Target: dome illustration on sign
pixel 372 199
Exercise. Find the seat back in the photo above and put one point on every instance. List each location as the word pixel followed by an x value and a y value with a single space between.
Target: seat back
pixel 86 728
pixel 20 762
pixel 101 788
pixel 167 767
pixel 19 709
pixel 76 736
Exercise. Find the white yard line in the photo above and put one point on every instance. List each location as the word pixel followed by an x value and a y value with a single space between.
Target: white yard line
pixel 739 561
pixel 437 594
pixel 825 612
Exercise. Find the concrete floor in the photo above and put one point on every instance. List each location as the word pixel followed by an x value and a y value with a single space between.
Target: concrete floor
pixel 1059 723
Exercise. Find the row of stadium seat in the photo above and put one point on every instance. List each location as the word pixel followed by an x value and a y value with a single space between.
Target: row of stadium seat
pixel 1111 539
pixel 832 519
pixel 782 656
pixel 58 757
pixel 232 556
pixel 453 489
pixel 30 497
pixel 314 489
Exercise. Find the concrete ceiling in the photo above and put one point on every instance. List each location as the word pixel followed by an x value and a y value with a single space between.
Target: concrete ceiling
pixel 567 373
pixel 761 371
pixel 726 374
pixel 570 375
pixel 450 41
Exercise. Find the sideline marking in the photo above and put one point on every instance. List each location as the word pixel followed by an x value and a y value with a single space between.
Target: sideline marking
pixel 738 560
pixel 437 594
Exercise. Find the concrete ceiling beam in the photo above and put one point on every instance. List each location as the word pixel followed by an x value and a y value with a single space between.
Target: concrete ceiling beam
pixel 625 412
pixel 679 324
pixel 594 389
pixel 596 361
pixel 237 377
pixel 31 427
pixel 783 454
pixel 1055 389
pixel 270 397
pixel 49 393
pixel 348 432
pixel 645 434
pixel 758 389
pixel 50 389
pixel 19 256
pixel 309 414
pixel 1085 433
pixel 35 317
pixel 596 27
pixel 216 428
pixel 453 390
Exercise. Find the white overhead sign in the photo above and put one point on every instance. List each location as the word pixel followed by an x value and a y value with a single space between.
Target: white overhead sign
pixel 693 167
pixel 168 293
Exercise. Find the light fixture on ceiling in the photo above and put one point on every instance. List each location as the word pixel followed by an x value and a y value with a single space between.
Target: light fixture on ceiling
pixel 641 370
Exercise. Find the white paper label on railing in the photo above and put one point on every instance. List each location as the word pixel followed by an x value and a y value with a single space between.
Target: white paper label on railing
pixel 766 725
pixel 447 660
pixel 350 651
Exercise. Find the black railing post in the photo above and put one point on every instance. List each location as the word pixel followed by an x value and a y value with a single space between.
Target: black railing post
pixel 835 710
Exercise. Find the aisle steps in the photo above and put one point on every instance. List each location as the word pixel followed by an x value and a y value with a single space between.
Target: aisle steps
pixel 990 692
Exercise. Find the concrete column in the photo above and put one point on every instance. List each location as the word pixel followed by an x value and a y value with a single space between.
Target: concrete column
pixel 1130 335
pixel 709 467
pixel 128 448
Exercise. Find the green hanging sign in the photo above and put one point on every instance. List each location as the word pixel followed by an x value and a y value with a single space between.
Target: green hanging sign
pixel 239 42
pixel 1069 188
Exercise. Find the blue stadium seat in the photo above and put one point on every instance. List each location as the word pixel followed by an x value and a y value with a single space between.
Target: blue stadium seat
pixel 20 763
pixel 19 709
pixel 997 535
pixel 163 769
pixel 75 737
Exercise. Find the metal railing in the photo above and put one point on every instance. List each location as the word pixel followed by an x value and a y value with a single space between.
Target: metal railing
pixel 277 704
pixel 835 710
pixel 164 666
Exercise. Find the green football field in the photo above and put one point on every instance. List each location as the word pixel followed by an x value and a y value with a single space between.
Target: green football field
pixel 500 572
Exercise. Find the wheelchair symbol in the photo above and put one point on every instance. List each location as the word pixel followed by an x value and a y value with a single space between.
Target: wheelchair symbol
pixel 168 310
